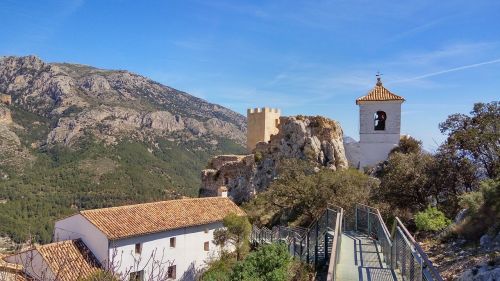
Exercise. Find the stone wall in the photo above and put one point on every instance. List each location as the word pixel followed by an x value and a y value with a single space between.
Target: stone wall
pixel 235 172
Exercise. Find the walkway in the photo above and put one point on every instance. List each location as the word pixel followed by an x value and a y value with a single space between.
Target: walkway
pixel 339 255
pixel 362 260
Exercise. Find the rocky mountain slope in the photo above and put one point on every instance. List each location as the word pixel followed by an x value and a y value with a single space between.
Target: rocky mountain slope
pixel 110 104
pixel 80 137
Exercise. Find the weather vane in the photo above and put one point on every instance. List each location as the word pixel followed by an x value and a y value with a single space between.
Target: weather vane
pixel 379 77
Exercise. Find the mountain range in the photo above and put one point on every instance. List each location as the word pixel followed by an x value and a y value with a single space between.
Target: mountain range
pixel 78 137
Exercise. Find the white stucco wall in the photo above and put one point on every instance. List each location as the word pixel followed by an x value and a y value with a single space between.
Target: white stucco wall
pixel 366 120
pixel 373 153
pixel 33 264
pixel 376 145
pixel 188 254
pixel 77 226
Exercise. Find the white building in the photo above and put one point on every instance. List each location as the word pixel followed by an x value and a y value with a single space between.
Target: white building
pixel 379 127
pixel 172 239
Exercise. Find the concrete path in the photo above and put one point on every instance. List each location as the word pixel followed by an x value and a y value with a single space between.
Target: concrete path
pixel 361 259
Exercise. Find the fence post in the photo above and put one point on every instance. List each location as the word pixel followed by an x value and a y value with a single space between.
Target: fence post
pixel 356 219
pixel 369 226
pixel 307 247
pixel 316 246
pixel 326 235
pixel 327 215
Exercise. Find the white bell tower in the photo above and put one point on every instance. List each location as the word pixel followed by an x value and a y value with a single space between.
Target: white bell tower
pixel 379 124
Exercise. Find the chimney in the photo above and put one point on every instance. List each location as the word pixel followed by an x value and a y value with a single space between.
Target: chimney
pixel 222 191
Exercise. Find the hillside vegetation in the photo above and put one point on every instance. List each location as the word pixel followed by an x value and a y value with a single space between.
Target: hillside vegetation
pixel 82 138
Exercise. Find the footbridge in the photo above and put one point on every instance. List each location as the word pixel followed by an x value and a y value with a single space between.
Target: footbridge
pixel 354 247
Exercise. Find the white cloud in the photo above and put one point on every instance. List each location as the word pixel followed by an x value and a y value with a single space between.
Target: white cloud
pixel 453 69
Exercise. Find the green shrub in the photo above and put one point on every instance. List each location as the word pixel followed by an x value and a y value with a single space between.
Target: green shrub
pixel 472 201
pixel 431 220
pixel 258 157
pixel 268 263
pixel 219 270
pixel 486 216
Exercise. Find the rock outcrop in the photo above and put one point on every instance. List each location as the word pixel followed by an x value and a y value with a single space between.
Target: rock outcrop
pixel 315 139
pixel 5 115
pixel 13 155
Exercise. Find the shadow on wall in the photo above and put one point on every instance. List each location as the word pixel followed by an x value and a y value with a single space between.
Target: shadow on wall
pixel 191 273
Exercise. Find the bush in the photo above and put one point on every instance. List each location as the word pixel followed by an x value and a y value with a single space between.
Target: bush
pixel 219 270
pixel 472 201
pixel 268 263
pixel 431 220
pixel 486 217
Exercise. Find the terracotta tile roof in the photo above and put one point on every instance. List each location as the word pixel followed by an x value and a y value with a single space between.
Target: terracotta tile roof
pixel 379 93
pixel 11 271
pixel 69 260
pixel 140 219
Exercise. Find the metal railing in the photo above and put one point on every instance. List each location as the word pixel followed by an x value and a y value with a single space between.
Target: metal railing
pixel 400 250
pixel 335 251
pixel 410 259
pixel 318 245
pixel 369 221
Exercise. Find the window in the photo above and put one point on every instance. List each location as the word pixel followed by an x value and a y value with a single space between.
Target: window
pixel 171 272
pixel 172 242
pixel 379 119
pixel 136 276
pixel 138 248
pixel 206 246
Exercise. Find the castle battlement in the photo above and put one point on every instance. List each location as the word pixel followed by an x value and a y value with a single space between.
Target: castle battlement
pixel 263 110
pixel 262 123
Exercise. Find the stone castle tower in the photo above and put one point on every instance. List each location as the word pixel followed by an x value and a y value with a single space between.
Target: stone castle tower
pixel 261 124
pixel 379 124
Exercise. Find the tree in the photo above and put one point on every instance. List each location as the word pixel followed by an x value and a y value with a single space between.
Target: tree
pixel 405 181
pixel 299 194
pixel 408 145
pixel 476 137
pixel 236 232
pixel 451 176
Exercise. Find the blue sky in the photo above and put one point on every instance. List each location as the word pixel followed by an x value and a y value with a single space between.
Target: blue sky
pixel 305 57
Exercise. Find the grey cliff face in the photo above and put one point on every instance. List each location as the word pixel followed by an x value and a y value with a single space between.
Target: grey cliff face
pixel 110 105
